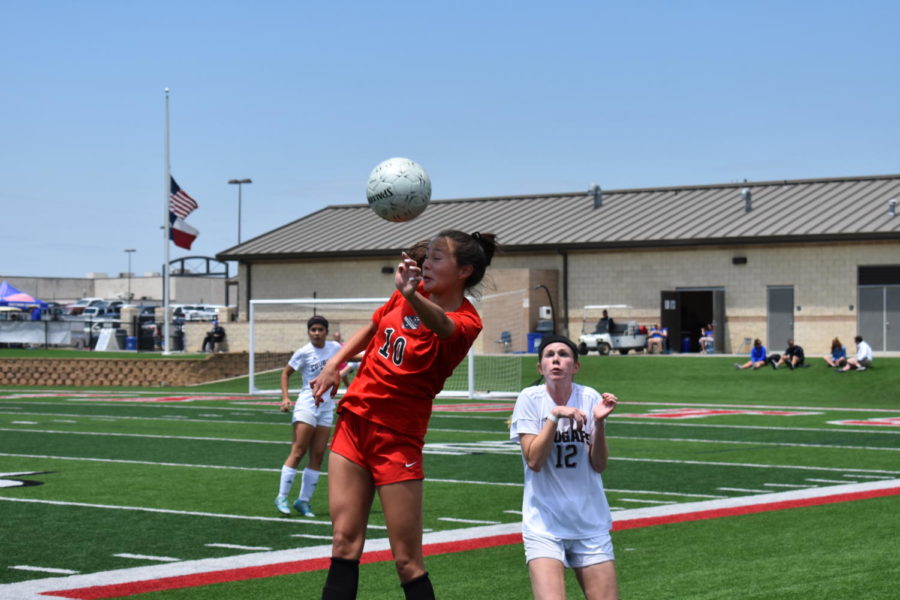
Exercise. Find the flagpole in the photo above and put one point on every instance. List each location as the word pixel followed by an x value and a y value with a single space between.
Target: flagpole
pixel 167 191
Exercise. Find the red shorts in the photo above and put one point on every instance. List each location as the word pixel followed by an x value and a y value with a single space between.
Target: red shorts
pixel 389 456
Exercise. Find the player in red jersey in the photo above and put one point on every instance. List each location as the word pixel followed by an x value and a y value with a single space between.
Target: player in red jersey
pixel 412 344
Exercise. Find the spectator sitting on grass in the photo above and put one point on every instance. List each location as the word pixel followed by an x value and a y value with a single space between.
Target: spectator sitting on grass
pixel 793 357
pixel 838 356
pixel 757 357
pixel 863 358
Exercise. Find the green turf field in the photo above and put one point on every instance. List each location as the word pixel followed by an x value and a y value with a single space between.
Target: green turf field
pixel 154 478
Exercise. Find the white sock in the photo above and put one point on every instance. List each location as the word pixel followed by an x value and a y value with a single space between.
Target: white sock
pixel 310 479
pixel 287 480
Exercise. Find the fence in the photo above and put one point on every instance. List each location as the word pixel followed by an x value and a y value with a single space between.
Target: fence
pixel 139 333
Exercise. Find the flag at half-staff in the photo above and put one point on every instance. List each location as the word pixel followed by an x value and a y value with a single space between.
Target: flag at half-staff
pixel 180 206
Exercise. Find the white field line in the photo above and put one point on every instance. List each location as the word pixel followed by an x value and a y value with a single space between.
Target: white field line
pixel 503 446
pixel 613 421
pixel 139 462
pixel 36 589
pixel 789 485
pixel 239 547
pixel 875 430
pixel 172 419
pixel 147 557
pixel 824 480
pixel 624 459
pixel 152 436
pixel 43 569
pixel 470 521
pixel 764 406
pixel 749 443
pixel 84 399
pixel 755 465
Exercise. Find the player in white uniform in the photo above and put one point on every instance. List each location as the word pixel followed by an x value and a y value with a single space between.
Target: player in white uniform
pixel 560 426
pixel 311 423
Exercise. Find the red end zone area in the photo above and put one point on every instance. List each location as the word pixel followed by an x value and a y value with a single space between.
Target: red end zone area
pixel 454 541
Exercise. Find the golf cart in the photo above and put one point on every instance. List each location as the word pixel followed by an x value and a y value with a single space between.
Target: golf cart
pixel 621 336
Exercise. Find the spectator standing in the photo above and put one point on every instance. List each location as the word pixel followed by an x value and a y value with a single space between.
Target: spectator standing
pixel 605 324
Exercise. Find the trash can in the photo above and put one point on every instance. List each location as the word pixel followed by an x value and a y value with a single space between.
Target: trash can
pixel 121 337
pixel 131 342
pixel 686 344
pixel 534 341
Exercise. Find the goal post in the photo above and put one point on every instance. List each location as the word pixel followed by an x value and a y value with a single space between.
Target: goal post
pixel 492 368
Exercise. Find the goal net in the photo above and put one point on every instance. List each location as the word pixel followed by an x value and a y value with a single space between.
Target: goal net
pixel 277 327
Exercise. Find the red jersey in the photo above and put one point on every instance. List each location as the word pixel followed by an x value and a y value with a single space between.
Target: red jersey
pixel 406 365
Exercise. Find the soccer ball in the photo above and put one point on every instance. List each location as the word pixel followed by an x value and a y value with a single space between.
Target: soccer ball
pixel 398 190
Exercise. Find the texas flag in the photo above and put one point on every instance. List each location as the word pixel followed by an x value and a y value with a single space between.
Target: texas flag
pixel 180 206
pixel 180 232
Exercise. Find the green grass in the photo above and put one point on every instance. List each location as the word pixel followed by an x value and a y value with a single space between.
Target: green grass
pixel 221 457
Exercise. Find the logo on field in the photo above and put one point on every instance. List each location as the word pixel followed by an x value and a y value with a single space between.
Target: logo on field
pixel 699 413
pixel 876 421
pixel 11 480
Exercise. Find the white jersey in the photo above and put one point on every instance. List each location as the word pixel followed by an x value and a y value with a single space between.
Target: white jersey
pixel 565 499
pixel 309 361
pixel 863 351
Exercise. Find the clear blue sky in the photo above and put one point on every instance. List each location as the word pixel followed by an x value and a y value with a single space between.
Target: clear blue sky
pixel 492 98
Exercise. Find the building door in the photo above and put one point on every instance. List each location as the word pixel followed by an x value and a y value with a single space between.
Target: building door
pixel 781 315
pixel 718 321
pixel 685 312
pixel 892 318
pixel 879 316
pixel 670 311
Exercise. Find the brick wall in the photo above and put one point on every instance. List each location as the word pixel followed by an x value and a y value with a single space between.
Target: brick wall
pixel 105 372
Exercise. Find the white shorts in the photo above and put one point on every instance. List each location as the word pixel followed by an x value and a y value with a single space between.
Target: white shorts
pixel 306 411
pixel 575 553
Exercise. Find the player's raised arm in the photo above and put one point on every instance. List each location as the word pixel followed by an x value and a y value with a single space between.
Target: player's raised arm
pixel 330 377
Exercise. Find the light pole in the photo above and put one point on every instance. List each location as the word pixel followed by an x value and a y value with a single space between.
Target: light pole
pixel 129 251
pixel 240 183
pixel 552 310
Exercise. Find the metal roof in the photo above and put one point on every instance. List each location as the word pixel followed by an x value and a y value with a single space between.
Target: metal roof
pixel 807 210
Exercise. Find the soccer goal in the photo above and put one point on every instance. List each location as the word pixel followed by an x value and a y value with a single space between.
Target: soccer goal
pixel 277 327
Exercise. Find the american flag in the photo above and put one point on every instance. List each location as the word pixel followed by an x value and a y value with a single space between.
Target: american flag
pixel 179 202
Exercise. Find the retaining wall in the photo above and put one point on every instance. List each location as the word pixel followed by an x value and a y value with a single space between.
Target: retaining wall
pixel 106 372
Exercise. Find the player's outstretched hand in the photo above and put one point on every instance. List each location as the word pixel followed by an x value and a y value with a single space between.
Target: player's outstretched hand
pixel 329 379
pixel 407 276
pixel 606 405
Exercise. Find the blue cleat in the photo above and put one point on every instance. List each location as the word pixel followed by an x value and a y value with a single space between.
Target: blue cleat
pixel 302 507
pixel 281 503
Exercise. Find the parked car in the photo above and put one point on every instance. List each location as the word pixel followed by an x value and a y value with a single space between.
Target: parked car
pixel 114 308
pixel 94 311
pixel 78 307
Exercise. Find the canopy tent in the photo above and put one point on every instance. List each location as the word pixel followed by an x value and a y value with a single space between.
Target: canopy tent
pixel 10 296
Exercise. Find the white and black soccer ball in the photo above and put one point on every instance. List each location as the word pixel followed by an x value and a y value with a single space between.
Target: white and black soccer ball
pixel 399 189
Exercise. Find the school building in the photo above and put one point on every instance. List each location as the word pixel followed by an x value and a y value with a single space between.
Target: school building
pixel 810 259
